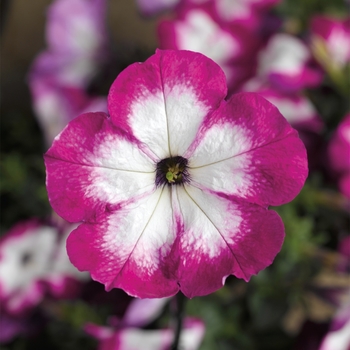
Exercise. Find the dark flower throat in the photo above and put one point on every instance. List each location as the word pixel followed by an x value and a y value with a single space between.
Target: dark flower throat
pixel 172 171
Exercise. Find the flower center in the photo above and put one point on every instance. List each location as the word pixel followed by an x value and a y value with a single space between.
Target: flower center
pixel 26 258
pixel 172 171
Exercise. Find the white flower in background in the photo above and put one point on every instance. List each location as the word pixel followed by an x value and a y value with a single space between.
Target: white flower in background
pixel 32 261
pixel 284 64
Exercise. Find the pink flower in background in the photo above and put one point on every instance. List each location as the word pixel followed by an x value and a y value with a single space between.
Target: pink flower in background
pixel 198 31
pixel 338 336
pixel 282 71
pixel 88 26
pixel 284 65
pixel 331 38
pixel 339 155
pixel 126 334
pixel 25 253
pixel 55 105
pixel 199 28
pixel 140 313
pixel 131 338
pixel 32 262
pixel 173 186
pixel 76 37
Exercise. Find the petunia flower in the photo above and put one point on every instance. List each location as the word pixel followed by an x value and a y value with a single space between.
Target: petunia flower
pixel 285 65
pixel 283 70
pixel 25 251
pixel 131 338
pixel 339 155
pixel 55 105
pixel 128 334
pixel 231 45
pixel 29 259
pixel 198 31
pixel 76 39
pixel 59 77
pixel 331 40
pixel 76 32
pixel 173 187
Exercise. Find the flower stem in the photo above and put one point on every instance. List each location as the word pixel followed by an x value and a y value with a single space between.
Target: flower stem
pixel 179 312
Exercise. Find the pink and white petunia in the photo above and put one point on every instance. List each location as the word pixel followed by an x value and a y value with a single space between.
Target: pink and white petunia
pixel 29 259
pixel 24 255
pixel 173 187
pixel 331 40
pixel 76 39
pixel 126 334
pixel 339 155
pixel 77 28
pixel 131 338
pixel 55 105
pixel 199 28
pixel 282 71
pixel 284 65
pixel 198 31
pixel 58 78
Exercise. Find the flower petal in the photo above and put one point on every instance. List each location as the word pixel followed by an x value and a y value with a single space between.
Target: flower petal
pixel 190 338
pixel 166 94
pixel 126 248
pixel 296 108
pixel 92 166
pixel 141 312
pixel 223 237
pixel 255 155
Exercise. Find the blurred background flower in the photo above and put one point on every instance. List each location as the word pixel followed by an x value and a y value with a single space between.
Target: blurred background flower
pixel 59 58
